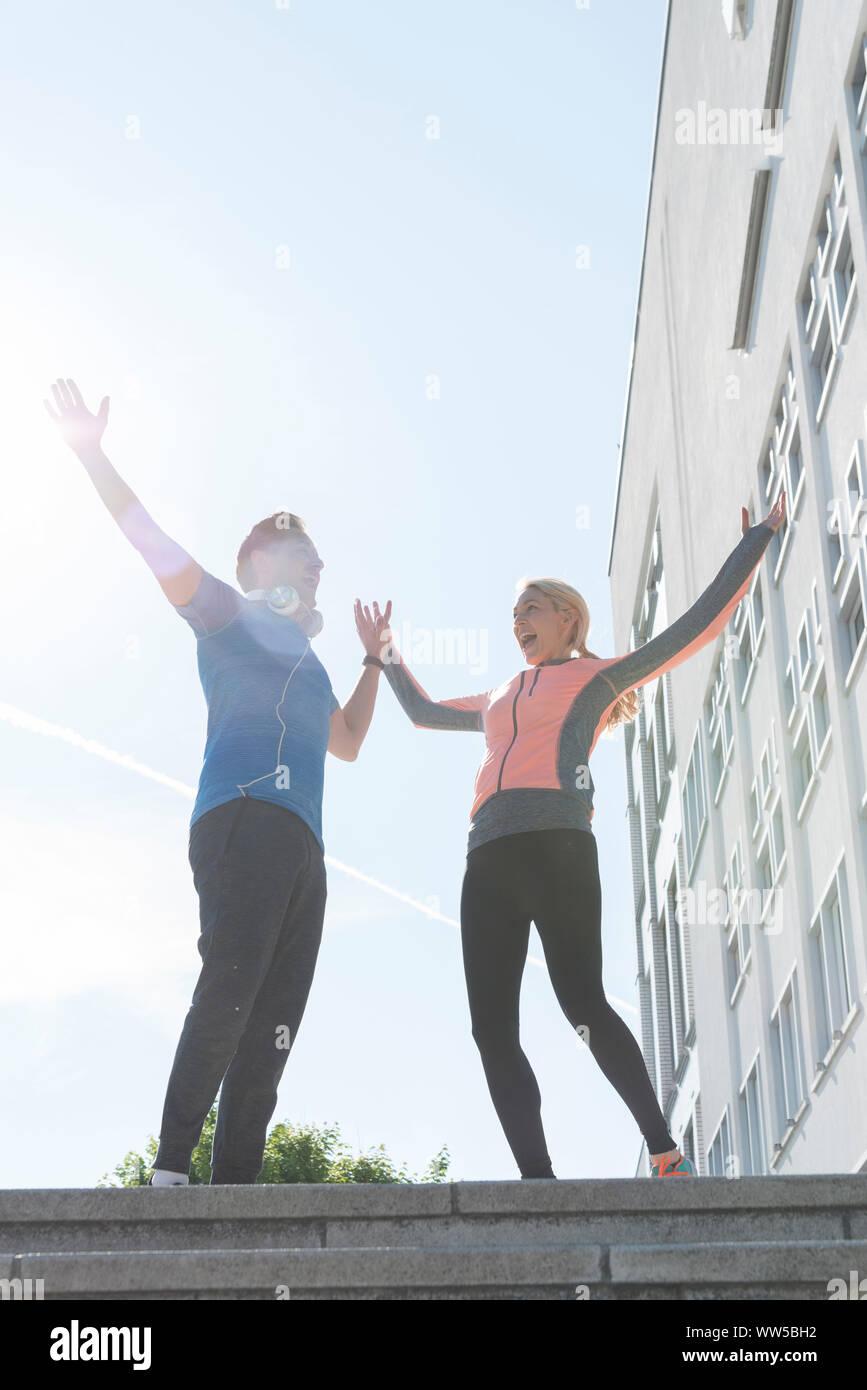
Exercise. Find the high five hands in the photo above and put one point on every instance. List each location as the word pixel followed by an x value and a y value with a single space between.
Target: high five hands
pixel 373 631
pixel 774 517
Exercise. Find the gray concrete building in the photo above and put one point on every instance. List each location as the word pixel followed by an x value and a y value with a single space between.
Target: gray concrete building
pixel 746 771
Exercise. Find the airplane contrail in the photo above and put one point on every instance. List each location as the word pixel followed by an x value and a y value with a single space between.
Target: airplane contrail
pixel 22 720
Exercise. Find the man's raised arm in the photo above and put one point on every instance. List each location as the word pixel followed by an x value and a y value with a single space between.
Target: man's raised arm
pixel 177 573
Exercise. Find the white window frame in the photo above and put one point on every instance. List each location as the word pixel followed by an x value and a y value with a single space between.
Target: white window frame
pixel 839 559
pixel 856 499
pixel 737 928
pixel 824 347
pixel 859 84
pixel 808 311
pixel 694 778
pixel 788 1059
pixel 720 724
pixel 783 465
pixel 833 1014
pixel 838 183
pixel 736 17
pixel 744 622
pixel 843 311
pixel 755 808
pixel 802 751
pixel 720 1152
pixel 820 687
pixel 853 597
pixel 752 1121
pixel 792 689
pixel 825 237
pixel 806 650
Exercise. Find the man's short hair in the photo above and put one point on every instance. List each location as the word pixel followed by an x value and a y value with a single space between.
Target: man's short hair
pixel 265 535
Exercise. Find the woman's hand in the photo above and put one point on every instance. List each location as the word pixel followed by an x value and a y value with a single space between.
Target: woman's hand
pixel 80 429
pixel 774 517
pixel 373 631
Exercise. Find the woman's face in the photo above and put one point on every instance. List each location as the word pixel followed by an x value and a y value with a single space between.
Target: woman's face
pixel 540 631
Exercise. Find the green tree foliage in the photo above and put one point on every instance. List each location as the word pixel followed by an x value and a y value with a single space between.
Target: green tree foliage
pixel 293 1153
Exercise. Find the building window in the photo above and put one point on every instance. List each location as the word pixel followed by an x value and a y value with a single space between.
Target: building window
pixel 828 293
pixel 737 926
pixel 809 302
pixel 795 467
pixel 659 746
pixel 694 803
pixel 779 62
pixel 807 694
pixel 767 814
pixel 665 1003
pixel 834 987
pixel 770 852
pixel 843 281
pixel 824 359
pixel 852 619
pixel 635 772
pixel 719 726
pixel 804 766
pixel 675 960
pixel 824 238
pixel 782 465
pixel 720 1158
pixel 835 545
pixel 748 620
pixel 751 1124
pixel 789 1080
pixel 856 489
pixel 859 91
pixel 737 17
pixel 793 695
pixel 838 190
pixel 821 714
pixel 806 654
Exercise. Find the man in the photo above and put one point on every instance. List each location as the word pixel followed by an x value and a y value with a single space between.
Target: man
pixel 256 847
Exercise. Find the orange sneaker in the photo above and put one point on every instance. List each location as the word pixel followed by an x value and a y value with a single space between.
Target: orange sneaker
pixel 673 1168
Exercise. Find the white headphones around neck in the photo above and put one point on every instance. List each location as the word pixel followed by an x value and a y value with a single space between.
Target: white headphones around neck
pixel 286 601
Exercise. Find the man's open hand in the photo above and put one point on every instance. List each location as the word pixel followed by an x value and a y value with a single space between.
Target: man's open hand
pixel 373 630
pixel 80 429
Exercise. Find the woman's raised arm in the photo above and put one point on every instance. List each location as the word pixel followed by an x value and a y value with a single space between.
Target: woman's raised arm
pixel 708 615
pixel 425 713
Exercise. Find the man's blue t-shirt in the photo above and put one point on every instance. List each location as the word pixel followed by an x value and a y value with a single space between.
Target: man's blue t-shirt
pixel 245 656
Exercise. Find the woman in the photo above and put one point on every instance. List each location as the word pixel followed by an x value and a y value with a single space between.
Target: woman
pixel 532 854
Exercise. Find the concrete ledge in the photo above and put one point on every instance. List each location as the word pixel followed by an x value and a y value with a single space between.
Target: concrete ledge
pixel 747 1262
pixel 661 1194
pixel 594 1228
pixel 191 1272
pixel 300 1201
pixel 265 1201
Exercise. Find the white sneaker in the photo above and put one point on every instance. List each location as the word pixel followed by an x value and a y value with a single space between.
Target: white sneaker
pixel 164 1177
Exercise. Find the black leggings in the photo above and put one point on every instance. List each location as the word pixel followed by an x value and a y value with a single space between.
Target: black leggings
pixel 550 877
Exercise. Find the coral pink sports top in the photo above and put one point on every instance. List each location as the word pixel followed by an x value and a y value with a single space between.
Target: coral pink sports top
pixel 541 726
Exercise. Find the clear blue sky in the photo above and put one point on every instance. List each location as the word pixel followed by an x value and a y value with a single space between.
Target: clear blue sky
pixel 266 281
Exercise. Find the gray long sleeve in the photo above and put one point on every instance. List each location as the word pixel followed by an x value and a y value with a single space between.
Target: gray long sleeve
pixel 463 713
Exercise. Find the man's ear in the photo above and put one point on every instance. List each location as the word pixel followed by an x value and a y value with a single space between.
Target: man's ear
pixel 254 559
